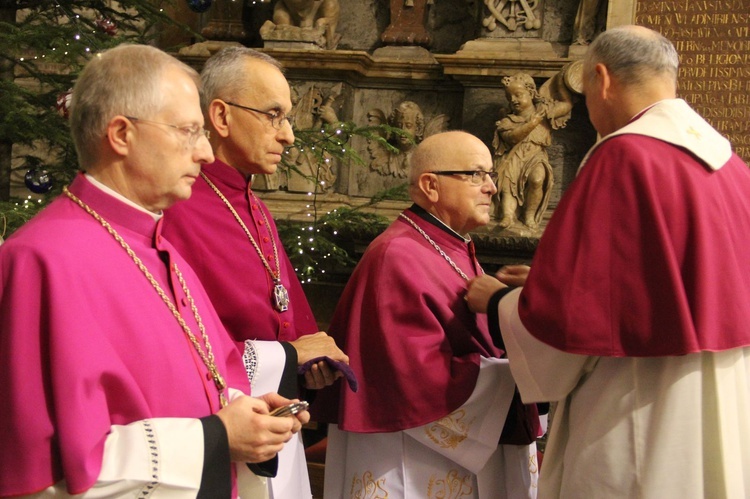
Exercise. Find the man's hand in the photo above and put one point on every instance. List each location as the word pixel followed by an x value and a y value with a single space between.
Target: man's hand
pixel 479 291
pixel 513 275
pixel 315 345
pixel 320 375
pixel 319 344
pixel 253 435
pixel 274 400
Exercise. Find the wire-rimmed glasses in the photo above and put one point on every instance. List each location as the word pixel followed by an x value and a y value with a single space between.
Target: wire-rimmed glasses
pixel 192 132
pixel 476 177
pixel 277 118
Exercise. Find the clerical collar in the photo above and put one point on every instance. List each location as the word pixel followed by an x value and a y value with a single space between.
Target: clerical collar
pixel 432 219
pixel 226 176
pixel 120 197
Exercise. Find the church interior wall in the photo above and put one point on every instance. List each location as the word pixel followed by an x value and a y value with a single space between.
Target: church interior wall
pixel 456 80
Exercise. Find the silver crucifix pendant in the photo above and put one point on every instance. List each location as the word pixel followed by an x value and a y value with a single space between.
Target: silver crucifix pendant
pixel 280 297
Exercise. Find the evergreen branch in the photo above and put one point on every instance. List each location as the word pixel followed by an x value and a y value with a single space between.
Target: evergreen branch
pixel 15 213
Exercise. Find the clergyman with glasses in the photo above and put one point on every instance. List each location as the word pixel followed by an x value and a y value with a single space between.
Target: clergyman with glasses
pixel 116 374
pixel 229 237
pixel 437 394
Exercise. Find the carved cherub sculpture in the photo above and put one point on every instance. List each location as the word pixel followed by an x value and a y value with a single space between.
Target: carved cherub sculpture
pixel 407 116
pixel 521 139
pixel 305 172
pixel 310 14
pixel 311 172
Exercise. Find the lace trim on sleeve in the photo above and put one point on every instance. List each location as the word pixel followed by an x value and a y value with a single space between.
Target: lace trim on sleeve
pixel 251 361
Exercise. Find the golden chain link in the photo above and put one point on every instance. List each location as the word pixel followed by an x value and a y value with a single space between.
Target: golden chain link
pixel 439 250
pixel 208 355
pixel 275 275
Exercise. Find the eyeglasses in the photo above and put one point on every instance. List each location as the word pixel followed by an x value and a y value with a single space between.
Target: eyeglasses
pixel 476 177
pixel 277 118
pixel 192 132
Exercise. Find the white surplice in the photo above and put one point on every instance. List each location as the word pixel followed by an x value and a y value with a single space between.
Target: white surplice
pixel 625 427
pixel 127 464
pixel 456 456
pixel 292 479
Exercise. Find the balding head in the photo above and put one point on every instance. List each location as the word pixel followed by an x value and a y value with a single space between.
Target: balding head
pixel 454 199
pixel 439 150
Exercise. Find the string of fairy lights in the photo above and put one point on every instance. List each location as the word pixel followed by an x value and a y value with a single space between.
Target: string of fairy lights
pixel 315 246
pixel 74 31
pixel 323 145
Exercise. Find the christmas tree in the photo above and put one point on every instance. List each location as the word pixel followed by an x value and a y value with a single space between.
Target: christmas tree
pixel 43 46
pixel 322 248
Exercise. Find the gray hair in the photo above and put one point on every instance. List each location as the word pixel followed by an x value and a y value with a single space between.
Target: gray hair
pixel 125 80
pixel 633 55
pixel 224 75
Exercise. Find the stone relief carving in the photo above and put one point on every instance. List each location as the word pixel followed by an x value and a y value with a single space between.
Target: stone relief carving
pixel 312 112
pixel 311 21
pixel 408 116
pixel 225 23
pixel 521 139
pixel 407 26
pixel 513 14
pixel 308 172
pixel 585 27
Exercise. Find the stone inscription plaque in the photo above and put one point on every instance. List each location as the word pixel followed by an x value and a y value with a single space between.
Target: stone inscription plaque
pixel 712 38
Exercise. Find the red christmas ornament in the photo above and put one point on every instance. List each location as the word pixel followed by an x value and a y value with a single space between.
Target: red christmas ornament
pixel 106 25
pixel 63 103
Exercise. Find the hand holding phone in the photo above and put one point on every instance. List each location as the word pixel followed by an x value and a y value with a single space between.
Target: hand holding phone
pixel 291 409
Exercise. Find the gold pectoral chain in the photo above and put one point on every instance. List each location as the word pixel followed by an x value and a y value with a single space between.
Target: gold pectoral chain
pixel 435 245
pixel 280 294
pixel 207 356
